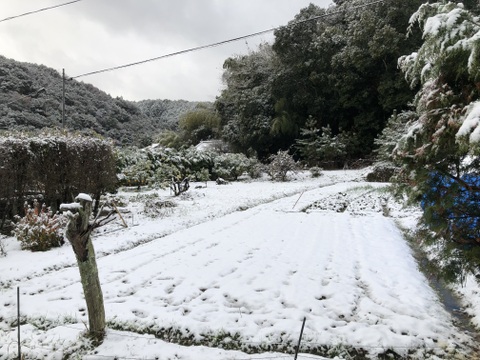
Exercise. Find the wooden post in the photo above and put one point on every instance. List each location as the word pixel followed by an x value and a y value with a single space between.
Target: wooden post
pixel 63 98
pixel 18 325
pixel 298 199
pixel 300 339
pixel 120 215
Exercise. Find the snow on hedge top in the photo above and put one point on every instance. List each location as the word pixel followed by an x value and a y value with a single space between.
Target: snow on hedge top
pixel 53 137
pixel 83 196
pixel 70 207
pixel 471 124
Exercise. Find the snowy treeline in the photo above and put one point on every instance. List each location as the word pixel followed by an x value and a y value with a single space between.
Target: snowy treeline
pixel 166 114
pixel 31 98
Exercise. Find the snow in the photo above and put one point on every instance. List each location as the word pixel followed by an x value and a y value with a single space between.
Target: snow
pixel 433 24
pixel 84 197
pixel 238 265
pixel 471 124
pixel 442 21
pixel 70 207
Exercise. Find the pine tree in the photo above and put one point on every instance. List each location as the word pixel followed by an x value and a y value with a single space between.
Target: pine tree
pixel 309 142
pixel 440 149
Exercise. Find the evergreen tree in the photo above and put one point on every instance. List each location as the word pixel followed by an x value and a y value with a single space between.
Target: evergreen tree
pixel 387 141
pixel 199 124
pixel 440 149
pixel 332 148
pixel 309 142
pixel 246 105
pixel 342 68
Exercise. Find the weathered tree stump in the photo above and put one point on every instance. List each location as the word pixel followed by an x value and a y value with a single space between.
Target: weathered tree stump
pixel 78 234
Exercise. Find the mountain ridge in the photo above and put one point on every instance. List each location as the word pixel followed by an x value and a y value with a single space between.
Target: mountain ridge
pixel 31 99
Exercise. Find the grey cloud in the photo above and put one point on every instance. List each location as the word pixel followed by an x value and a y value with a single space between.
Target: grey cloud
pixel 96 34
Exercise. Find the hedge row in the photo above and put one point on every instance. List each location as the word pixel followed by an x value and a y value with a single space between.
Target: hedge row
pixel 157 167
pixel 53 168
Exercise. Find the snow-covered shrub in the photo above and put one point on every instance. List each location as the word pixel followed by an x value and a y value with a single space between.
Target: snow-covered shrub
pixel 230 166
pixel 381 172
pixel 40 229
pixel 165 173
pixel 255 168
pixel 134 168
pixel 138 174
pixel 280 164
pixel 198 162
pixel 53 166
pixel 202 175
pixel 316 171
pixel 3 252
pixel 158 208
pixel 318 146
pixel 157 166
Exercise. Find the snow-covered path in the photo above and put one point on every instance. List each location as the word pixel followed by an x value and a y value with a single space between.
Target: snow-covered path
pixel 250 277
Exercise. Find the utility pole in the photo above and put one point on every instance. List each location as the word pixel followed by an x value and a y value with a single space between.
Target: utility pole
pixel 63 98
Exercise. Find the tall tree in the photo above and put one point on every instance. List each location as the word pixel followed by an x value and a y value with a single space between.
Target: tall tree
pixel 440 150
pixel 199 124
pixel 302 88
pixel 341 67
pixel 246 105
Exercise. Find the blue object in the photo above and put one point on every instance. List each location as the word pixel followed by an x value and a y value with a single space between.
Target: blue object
pixel 453 204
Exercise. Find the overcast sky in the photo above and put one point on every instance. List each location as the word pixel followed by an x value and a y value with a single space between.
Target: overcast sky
pixel 95 34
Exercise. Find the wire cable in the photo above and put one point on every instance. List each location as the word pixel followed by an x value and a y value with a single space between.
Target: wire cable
pixel 197 48
pixel 39 10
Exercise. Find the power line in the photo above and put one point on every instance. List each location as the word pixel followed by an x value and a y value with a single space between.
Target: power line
pixel 197 48
pixel 39 10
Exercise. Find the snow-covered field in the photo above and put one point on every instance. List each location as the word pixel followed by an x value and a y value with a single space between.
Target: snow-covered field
pixel 238 266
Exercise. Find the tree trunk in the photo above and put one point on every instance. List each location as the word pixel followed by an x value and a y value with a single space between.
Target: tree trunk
pixel 78 233
pixel 93 293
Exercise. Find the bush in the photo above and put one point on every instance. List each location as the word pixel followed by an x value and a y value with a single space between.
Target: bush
pixel 157 208
pixel 255 169
pixel 53 166
pixel 280 164
pixel 381 172
pixel 316 171
pixel 230 166
pixel 3 252
pixel 40 229
pixel 138 174
pixel 165 174
pixel 202 175
pixel 200 124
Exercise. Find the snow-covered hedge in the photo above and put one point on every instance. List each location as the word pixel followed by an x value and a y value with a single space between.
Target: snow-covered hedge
pixel 230 166
pixel 52 167
pixel 157 166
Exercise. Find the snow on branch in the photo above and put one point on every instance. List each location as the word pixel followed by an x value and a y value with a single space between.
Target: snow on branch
pixel 471 124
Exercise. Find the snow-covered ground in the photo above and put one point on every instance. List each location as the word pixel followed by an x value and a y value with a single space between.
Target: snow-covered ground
pixel 238 266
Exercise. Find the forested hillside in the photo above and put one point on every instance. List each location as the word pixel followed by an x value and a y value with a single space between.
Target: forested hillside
pixel 31 98
pixel 166 113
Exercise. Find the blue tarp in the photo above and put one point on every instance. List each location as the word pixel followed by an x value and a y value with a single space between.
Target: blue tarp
pixel 449 201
